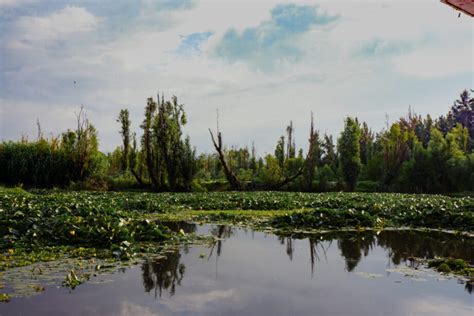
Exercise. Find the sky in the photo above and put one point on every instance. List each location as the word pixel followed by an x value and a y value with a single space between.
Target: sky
pixel 261 63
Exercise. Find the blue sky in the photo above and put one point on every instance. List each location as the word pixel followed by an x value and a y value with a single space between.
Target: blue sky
pixel 261 63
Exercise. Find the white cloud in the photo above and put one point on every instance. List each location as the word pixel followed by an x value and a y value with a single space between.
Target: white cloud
pixel 131 309
pixel 432 305
pixel 31 31
pixel 199 302
pixel 13 3
pixel 436 62
pixel 113 72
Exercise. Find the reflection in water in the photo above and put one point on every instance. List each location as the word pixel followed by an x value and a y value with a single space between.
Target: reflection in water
pixel 163 274
pixel 313 251
pixel 221 232
pixel 314 245
pixel 468 287
pixel 167 272
pixel 353 247
pixel 401 246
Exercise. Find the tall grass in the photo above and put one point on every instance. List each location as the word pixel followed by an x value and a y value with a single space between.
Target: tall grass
pixel 41 163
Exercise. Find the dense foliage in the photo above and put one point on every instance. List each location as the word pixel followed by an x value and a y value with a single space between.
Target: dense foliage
pixel 414 154
pixel 349 151
pixel 383 210
pixel 29 220
pixel 52 162
pixel 104 218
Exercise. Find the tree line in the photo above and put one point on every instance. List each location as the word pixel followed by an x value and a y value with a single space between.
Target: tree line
pixel 414 154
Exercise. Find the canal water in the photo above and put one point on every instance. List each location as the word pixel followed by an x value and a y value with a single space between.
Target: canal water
pixel 256 273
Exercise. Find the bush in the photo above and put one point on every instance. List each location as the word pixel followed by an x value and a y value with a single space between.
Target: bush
pixel 368 186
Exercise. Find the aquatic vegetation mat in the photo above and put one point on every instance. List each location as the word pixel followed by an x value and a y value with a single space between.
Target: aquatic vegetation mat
pixel 73 233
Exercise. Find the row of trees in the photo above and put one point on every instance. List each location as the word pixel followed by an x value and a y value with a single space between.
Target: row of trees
pixel 414 154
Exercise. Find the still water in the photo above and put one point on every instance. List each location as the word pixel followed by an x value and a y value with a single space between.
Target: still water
pixel 254 273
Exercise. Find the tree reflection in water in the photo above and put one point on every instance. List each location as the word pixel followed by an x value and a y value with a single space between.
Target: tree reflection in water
pixel 221 232
pixel 401 246
pixel 354 247
pixel 164 273
pixel 314 245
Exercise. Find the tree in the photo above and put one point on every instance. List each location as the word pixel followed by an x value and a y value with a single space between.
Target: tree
pixel 314 156
pixel 396 150
pixel 167 137
pixel 329 156
pixel 147 145
pixel 170 160
pixel 125 123
pixel 81 144
pixel 135 162
pixel 230 175
pixel 280 151
pixel 463 112
pixel 291 147
pixel 349 152
pixel 271 173
pixel 366 143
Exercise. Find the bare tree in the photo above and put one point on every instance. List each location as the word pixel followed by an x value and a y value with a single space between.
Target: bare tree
pixel 231 177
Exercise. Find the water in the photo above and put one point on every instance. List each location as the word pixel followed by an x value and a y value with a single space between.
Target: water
pixel 253 273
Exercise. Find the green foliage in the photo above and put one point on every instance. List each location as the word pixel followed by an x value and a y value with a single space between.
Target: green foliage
pixel 5 298
pixel 458 266
pixel 368 186
pixel 373 170
pixel 280 151
pixel 349 152
pixel 125 123
pixel 415 154
pixel 53 162
pixel 171 161
pixel 72 280
pixel 380 210
pixel 444 268
pixel 441 167
pixel 271 173
pixel 396 149
pixel 41 164
pixel 72 219
pixel 325 178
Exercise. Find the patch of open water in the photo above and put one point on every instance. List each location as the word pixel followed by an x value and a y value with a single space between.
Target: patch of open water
pixel 256 273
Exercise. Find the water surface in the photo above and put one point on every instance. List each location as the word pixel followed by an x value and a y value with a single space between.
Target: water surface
pixel 253 273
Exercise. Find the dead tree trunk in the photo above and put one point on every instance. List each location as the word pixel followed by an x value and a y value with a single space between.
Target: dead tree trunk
pixel 231 177
pixel 237 185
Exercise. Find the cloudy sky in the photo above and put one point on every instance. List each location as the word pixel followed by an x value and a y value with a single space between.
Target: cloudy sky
pixel 261 63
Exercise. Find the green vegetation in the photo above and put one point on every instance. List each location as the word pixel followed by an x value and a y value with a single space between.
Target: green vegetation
pixel 56 162
pixel 76 234
pixel 4 297
pixel 389 211
pixel 104 219
pixel 414 154
pixel 54 222
pixel 349 149
pixel 67 219
pixel 447 265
